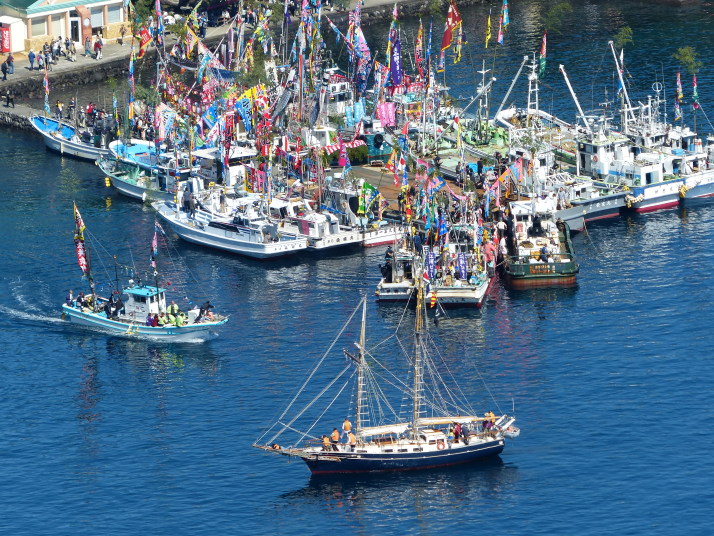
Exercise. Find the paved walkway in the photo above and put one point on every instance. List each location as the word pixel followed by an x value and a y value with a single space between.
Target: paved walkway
pixel 112 52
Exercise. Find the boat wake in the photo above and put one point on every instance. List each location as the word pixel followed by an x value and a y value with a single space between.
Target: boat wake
pixel 33 316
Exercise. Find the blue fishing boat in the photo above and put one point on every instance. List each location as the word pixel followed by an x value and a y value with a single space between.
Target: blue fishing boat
pixel 439 432
pixel 65 139
pixel 138 310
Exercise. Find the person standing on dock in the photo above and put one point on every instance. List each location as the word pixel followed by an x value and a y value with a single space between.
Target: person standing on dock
pixel 3 68
pixel 31 59
pixel 87 46
pixel 10 64
pixel 98 48
pixel 9 98
pixel 122 33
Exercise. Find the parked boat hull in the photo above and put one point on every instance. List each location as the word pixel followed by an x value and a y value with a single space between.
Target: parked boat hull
pixel 188 333
pixel 382 236
pixel 238 242
pixel 355 462
pixel 137 191
pixel 59 140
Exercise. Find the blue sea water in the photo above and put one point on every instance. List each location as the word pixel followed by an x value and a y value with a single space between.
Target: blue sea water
pixel 612 381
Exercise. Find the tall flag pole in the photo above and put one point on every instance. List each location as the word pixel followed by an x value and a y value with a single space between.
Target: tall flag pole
pixel 679 97
pixel 159 24
pixel 488 28
pixel 503 21
pixel 453 22
pixel 542 59
pixel 46 83
pixel 695 94
pixel 419 51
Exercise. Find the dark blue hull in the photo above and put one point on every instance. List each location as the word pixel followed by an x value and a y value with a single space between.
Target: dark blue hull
pixel 356 462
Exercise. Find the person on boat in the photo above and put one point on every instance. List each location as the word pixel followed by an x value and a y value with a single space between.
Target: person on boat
pixel 180 320
pixel 69 300
pixel 351 441
pixel 346 426
pixel 543 254
pixel 450 436
pixel 326 445
pixel 149 319
pixel 173 309
pixel 562 201
pixel 162 320
pixel 457 431
pixel 186 199
pixel 80 300
pixel 192 206
pixel 389 255
pixel 335 439
pixel 204 311
pixel 222 201
pixel 155 321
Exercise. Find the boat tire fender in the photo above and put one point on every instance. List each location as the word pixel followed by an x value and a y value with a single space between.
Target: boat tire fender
pixel 440 445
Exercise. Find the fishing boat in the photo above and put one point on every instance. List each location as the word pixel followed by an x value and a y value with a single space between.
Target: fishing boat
pixel 130 180
pixel 127 311
pixel 438 432
pixel 248 233
pixel 540 253
pixel 398 282
pixel 65 139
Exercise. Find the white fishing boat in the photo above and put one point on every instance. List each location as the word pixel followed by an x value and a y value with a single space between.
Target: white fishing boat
pixel 138 310
pixel 132 181
pixel 65 139
pixel 248 233
pixel 398 274
pixel 437 430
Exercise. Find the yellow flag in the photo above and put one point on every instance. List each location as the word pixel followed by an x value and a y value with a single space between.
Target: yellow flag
pixel 488 30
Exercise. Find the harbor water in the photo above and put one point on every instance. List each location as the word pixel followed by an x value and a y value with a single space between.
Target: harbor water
pixel 611 381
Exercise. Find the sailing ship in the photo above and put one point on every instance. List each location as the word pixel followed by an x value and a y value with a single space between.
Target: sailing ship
pixel 441 431
pixel 125 313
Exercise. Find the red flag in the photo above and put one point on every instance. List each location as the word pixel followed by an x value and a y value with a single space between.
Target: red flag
pixel 453 19
pixel 405 130
pixel 145 39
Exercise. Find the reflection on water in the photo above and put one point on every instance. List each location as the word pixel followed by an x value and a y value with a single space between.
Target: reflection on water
pixel 410 495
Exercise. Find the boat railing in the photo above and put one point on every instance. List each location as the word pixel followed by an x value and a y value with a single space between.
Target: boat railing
pixel 562 263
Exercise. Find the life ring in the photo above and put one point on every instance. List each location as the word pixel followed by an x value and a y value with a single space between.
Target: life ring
pixel 595 158
pixel 440 444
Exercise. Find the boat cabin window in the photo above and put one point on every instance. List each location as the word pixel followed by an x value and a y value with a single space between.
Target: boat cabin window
pixel 388 450
pixel 402 450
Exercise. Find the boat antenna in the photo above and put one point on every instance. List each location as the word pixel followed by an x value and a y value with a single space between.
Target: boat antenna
pixel 116 271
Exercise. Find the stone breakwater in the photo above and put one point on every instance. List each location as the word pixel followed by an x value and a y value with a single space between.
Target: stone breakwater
pixel 18 118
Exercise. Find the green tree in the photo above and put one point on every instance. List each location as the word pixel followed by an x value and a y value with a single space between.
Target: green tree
pixel 623 37
pixel 553 19
pixel 687 58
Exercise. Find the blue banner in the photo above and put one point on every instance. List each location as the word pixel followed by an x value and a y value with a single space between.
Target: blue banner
pixel 461 259
pixel 430 264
